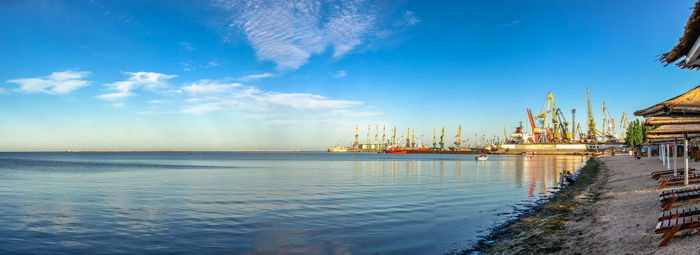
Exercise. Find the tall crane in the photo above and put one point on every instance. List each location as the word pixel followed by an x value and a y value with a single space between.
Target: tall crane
pixel 368 141
pixel 413 138
pixel 573 124
pixel 624 124
pixel 393 137
pixel 408 137
pixel 383 137
pixel 591 122
pixel 609 132
pixel 535 130
pixel 442 138
pixel 561 128
pixel 434 138
pixel 356 143
pixel 376 137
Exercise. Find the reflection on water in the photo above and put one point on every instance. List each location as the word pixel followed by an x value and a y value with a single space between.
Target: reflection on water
pixel 304 203
pixel 539 173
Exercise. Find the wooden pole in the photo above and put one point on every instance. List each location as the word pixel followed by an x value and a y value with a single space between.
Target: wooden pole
pixel 675 156
pixel 685 155
pixel 661 154
pixel 668 157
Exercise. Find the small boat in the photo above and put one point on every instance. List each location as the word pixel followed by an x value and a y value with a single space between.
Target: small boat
pixel 529 153
pixel 481 157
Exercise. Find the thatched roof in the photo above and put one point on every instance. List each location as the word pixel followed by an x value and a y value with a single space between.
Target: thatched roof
pixel 676 129
pixel 687 103
pixel 672 120
pixel 664 138
pixel 686 42
pixel 671 136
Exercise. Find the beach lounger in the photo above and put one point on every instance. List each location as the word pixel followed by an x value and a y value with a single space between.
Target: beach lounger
pixel 668 200
pixel 679 212
pixel 671 226
pixel 680 171
pixel 677 179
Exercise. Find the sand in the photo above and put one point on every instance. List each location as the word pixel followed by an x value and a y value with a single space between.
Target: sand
pixel 624 216
pixel 614 213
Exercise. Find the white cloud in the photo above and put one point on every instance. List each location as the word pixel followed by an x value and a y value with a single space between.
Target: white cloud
pixel 209 87
pixel 408 19
pixel 213 63
pixel 55 83
pixel 118 105
pixel 189 65
pixel 511 23
pixel 251 77
pixel 187 46
pixel 136 80
pixel 340 74
pixel 264 105
pixel 289 32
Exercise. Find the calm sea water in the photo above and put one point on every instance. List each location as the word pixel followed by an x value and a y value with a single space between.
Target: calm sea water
pixel 255 202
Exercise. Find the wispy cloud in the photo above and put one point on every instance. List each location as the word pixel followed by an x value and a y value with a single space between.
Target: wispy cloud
pixel 268 106
pixel 251 77
pixel 136 80
pixel 289 32
pixel 55 83
pixel 189 65
pixel 187 46
pixel 511 23
pixel 408 19
pixel 209 87
pixel 340 74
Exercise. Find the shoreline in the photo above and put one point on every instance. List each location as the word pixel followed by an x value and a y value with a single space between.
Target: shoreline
pixel 613 208
pixel 526 232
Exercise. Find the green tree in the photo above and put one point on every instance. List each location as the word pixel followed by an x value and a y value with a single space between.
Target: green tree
pixel 636 133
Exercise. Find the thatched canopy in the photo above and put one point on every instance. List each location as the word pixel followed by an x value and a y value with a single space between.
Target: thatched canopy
pixel 676 129
pixel 685 104
pixel 671 120
pixel 671 136
pixel 686 42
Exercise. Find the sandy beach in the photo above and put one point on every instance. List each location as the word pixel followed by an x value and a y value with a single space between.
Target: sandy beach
pixel 609 212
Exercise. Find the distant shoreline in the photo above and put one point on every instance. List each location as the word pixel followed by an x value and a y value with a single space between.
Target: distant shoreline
pixel 164 151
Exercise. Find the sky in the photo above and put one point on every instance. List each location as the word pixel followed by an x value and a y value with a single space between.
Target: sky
pixel 221 74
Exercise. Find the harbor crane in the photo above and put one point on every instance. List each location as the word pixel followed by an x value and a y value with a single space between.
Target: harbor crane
pixel 591 137
pixel 442 138
pixel 624 124
pixel 553 126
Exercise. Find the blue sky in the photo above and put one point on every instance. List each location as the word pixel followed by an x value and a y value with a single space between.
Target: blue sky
pixel 300 75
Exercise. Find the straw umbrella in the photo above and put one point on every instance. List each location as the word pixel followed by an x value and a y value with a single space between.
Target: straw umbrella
pixel 688 45
pixel 674 119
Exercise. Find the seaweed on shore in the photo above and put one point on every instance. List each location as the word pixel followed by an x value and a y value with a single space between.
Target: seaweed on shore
pixel 528 233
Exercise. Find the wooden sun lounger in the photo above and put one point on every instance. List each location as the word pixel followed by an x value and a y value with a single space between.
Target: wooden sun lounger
pixel 679 190
pixel 658 174
pixel 677 179
pixel 668 200
pixel 679 212
pixel 671 226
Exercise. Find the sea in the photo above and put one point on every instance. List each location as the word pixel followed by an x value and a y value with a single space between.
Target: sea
pixel 263 202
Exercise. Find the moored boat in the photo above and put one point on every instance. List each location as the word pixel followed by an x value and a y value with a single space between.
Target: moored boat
pixel 481 157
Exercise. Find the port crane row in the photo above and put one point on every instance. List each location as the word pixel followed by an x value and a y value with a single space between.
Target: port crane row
pixel 551 126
